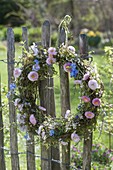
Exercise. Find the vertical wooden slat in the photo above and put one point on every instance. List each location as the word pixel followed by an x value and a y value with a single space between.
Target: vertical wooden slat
pixel 30 153
pixel 25 38
pixel 87 146
pixel 12 115
pixel 87 149
pixel 83 45
pixel 65 102
pixel 2 158
pixel 46 91
pixel 30 144
pixel 43 92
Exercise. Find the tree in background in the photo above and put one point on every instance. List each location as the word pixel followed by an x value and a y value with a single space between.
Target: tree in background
pixel 91 14
pixel 10 13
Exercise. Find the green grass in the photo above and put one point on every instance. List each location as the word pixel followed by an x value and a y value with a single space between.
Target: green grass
pixel 104 138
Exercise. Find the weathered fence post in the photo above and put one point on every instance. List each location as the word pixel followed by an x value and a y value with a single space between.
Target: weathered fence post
pixel 30 143
pixel 12 114
pixel 87 146
pixel 46 92
pixel 65 102
pixel 2 158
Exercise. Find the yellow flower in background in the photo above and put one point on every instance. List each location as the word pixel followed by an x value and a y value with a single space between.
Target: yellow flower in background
pixel 91 34
pixel 98 33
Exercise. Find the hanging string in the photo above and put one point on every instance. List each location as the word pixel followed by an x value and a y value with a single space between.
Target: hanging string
pixel 38 156
pixel 6 62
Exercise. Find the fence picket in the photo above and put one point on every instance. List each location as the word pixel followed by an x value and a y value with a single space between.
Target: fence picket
pixel 12 114
pixel 30 144
pixel 2 158
pixel 65 102
pixel 87 146
pixel 46 95
pixel 46 90
pixel 43 92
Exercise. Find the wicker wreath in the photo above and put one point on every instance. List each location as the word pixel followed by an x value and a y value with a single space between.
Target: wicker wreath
pixel 36 66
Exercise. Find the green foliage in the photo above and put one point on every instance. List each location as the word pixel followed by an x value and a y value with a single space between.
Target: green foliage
pixel 9 12
pixel 17 34
pixel 106 42
pixel 2 33
pixel 94 38
pixel 34 34
pixel 94 41
pixel 105 65
pixel 102 157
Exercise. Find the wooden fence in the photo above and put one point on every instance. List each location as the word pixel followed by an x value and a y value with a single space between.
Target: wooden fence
pixel 53 158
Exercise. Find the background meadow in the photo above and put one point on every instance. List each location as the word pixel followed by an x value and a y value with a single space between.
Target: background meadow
pixel 99 29
pixel 101 137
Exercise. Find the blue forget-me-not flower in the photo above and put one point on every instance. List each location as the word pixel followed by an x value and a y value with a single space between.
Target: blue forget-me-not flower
pixel 74 70
pixel 12 86
pixel 51 132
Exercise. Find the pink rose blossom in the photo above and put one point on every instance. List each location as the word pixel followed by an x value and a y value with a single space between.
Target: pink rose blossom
pixel 86 76
pixel 67 114
pixel 93 85
pixel 71 48
pixel 42 108
pixel 50 60
pixel 33 76
pixel 17 72
pixel 75 137
pixel 86 99
pixel 67 67
pixel 32 119
pixel 77 81
pixel 96 102
pixel 52 51
pixel 89 114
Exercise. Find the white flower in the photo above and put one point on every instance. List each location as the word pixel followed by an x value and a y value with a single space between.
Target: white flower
pixel 32 119
pixel 21 118
pixel 42 108
pixel 77 81
pixel 86 76
pixel 75 137
pixel 64 143
pixel 67 114
pixel 43 135
pixel 93 85
pixel 17 72
pixel 20 107
pixel 16 102
pixel 71 48
pixel 34 49
pixel 39 129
